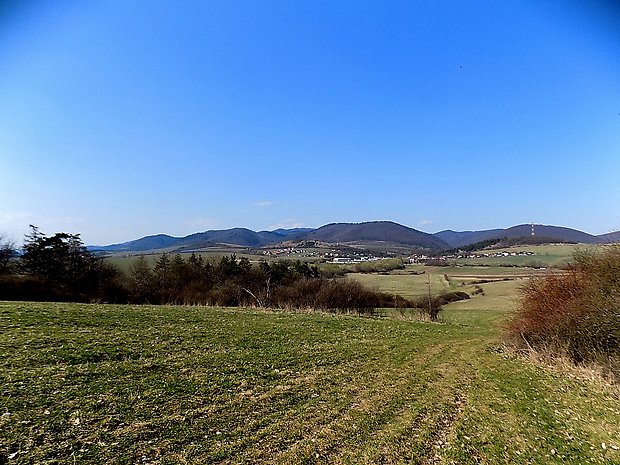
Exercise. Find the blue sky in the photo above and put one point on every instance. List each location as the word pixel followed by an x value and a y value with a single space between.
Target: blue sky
pixel 120 119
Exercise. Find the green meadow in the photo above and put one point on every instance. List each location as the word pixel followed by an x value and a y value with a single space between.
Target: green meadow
pixel 417 280
pixel 544 255
pixel 122 384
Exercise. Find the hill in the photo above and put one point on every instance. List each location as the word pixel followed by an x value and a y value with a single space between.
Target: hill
pixel 552 232
pixel 235 236
pixel 386 231
pixel 295 231
pixel 462 238
pixel 549 233
pixel 371 235
pixel 376 231
pixel 609 238
pixel 158 241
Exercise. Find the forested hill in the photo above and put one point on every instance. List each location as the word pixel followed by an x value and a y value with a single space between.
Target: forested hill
pixel 354 233
pixel 385 231
pixel 235 236
pixel 557 233
pixel 381 231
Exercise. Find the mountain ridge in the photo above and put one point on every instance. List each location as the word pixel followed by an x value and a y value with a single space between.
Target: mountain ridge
pixel 560 233
pixel 385 231
pixel 352 233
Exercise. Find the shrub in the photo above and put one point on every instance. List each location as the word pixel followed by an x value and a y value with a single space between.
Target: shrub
pixel 330 270
pixel 331 295
pixel 225 295
pixel 478 290
pixel 432 305
pixel 378 266
pixel 454 296
pixel 574 313
pixel 30 288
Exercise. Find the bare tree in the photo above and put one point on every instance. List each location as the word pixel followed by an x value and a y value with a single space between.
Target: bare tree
pixel 7 253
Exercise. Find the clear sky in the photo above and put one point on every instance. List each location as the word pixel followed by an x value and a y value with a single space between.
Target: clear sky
pixel 120 119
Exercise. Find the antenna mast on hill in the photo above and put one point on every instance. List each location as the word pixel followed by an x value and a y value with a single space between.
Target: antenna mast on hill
pixel 533 230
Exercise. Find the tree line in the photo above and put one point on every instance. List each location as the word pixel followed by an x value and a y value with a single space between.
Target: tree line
pixel 61 268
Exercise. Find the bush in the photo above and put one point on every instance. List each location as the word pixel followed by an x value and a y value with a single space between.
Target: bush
pixel 331 295
pixel 29 288
pixel 432 305
pixel 574 313
pixel 378 266
pixel 225 295
pixel 478 290
pixel 330 270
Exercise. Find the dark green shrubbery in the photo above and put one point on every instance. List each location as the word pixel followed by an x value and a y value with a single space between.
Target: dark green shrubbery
pixel 574 313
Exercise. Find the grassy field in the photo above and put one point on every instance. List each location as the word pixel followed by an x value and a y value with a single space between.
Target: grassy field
pixel 407 285
pixel 416 279
pixel 166 385
pixel 544 255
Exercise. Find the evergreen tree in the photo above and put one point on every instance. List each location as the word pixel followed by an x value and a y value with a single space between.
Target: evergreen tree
pixel 62 260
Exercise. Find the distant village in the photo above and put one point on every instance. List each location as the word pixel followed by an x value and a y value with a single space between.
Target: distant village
pixel 344 257
pixel 415 258
pixel 333 255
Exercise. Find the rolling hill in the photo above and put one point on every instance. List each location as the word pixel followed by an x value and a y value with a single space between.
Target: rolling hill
pixel 158 241
pixel 358 234
pixel 296 231
pixel 551 233
pixel 375 231
pixel 384 231
pixel 609 238
pixel 235 236
pixel 462 238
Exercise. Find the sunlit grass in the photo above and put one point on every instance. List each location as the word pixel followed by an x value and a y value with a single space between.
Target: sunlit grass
pixel 129 384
